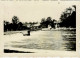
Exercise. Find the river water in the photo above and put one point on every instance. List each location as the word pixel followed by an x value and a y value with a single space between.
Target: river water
pixel 62 40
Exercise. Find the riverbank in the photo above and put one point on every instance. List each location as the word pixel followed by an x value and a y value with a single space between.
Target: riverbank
pixel 14 32
pixel 44 29
pixel 59 29
pixel 15 51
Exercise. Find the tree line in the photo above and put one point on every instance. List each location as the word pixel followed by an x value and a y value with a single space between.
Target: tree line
pixel 67 19
pixel 15 25
pixel 49 21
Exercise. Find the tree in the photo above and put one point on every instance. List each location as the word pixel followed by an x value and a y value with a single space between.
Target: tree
pixel 20 25
pixel 15 20
pixel 6 26
pixel 43 20
pixel 68 18
pixel 43 24
pixel 48 21
pixel 53 23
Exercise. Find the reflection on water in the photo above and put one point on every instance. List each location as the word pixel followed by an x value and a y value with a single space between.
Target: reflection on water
pixel 49 40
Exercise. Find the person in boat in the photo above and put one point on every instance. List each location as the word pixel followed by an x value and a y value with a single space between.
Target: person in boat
pixel 28 32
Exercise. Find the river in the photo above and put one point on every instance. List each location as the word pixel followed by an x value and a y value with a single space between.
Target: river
pixel 62 40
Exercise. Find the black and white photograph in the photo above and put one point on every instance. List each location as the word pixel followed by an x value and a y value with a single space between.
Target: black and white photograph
pixel 38 28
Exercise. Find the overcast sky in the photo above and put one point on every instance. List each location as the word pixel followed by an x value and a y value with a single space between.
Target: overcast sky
pixel 33 11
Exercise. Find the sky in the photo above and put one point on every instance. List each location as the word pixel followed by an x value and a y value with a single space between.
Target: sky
pixel 33 11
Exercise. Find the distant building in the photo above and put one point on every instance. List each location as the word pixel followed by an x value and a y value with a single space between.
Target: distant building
pixel 35 26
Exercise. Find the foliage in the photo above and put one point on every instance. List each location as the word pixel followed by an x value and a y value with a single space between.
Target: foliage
pixel 46 22
pixel 68 18
pixel 15 25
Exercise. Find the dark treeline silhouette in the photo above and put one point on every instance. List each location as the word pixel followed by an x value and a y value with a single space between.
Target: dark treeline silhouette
pixel 68 18
pixel 45 22
pixel 15 25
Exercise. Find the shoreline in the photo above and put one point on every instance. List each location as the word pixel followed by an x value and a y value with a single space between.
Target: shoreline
pixel 15 51
pixel 44 29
